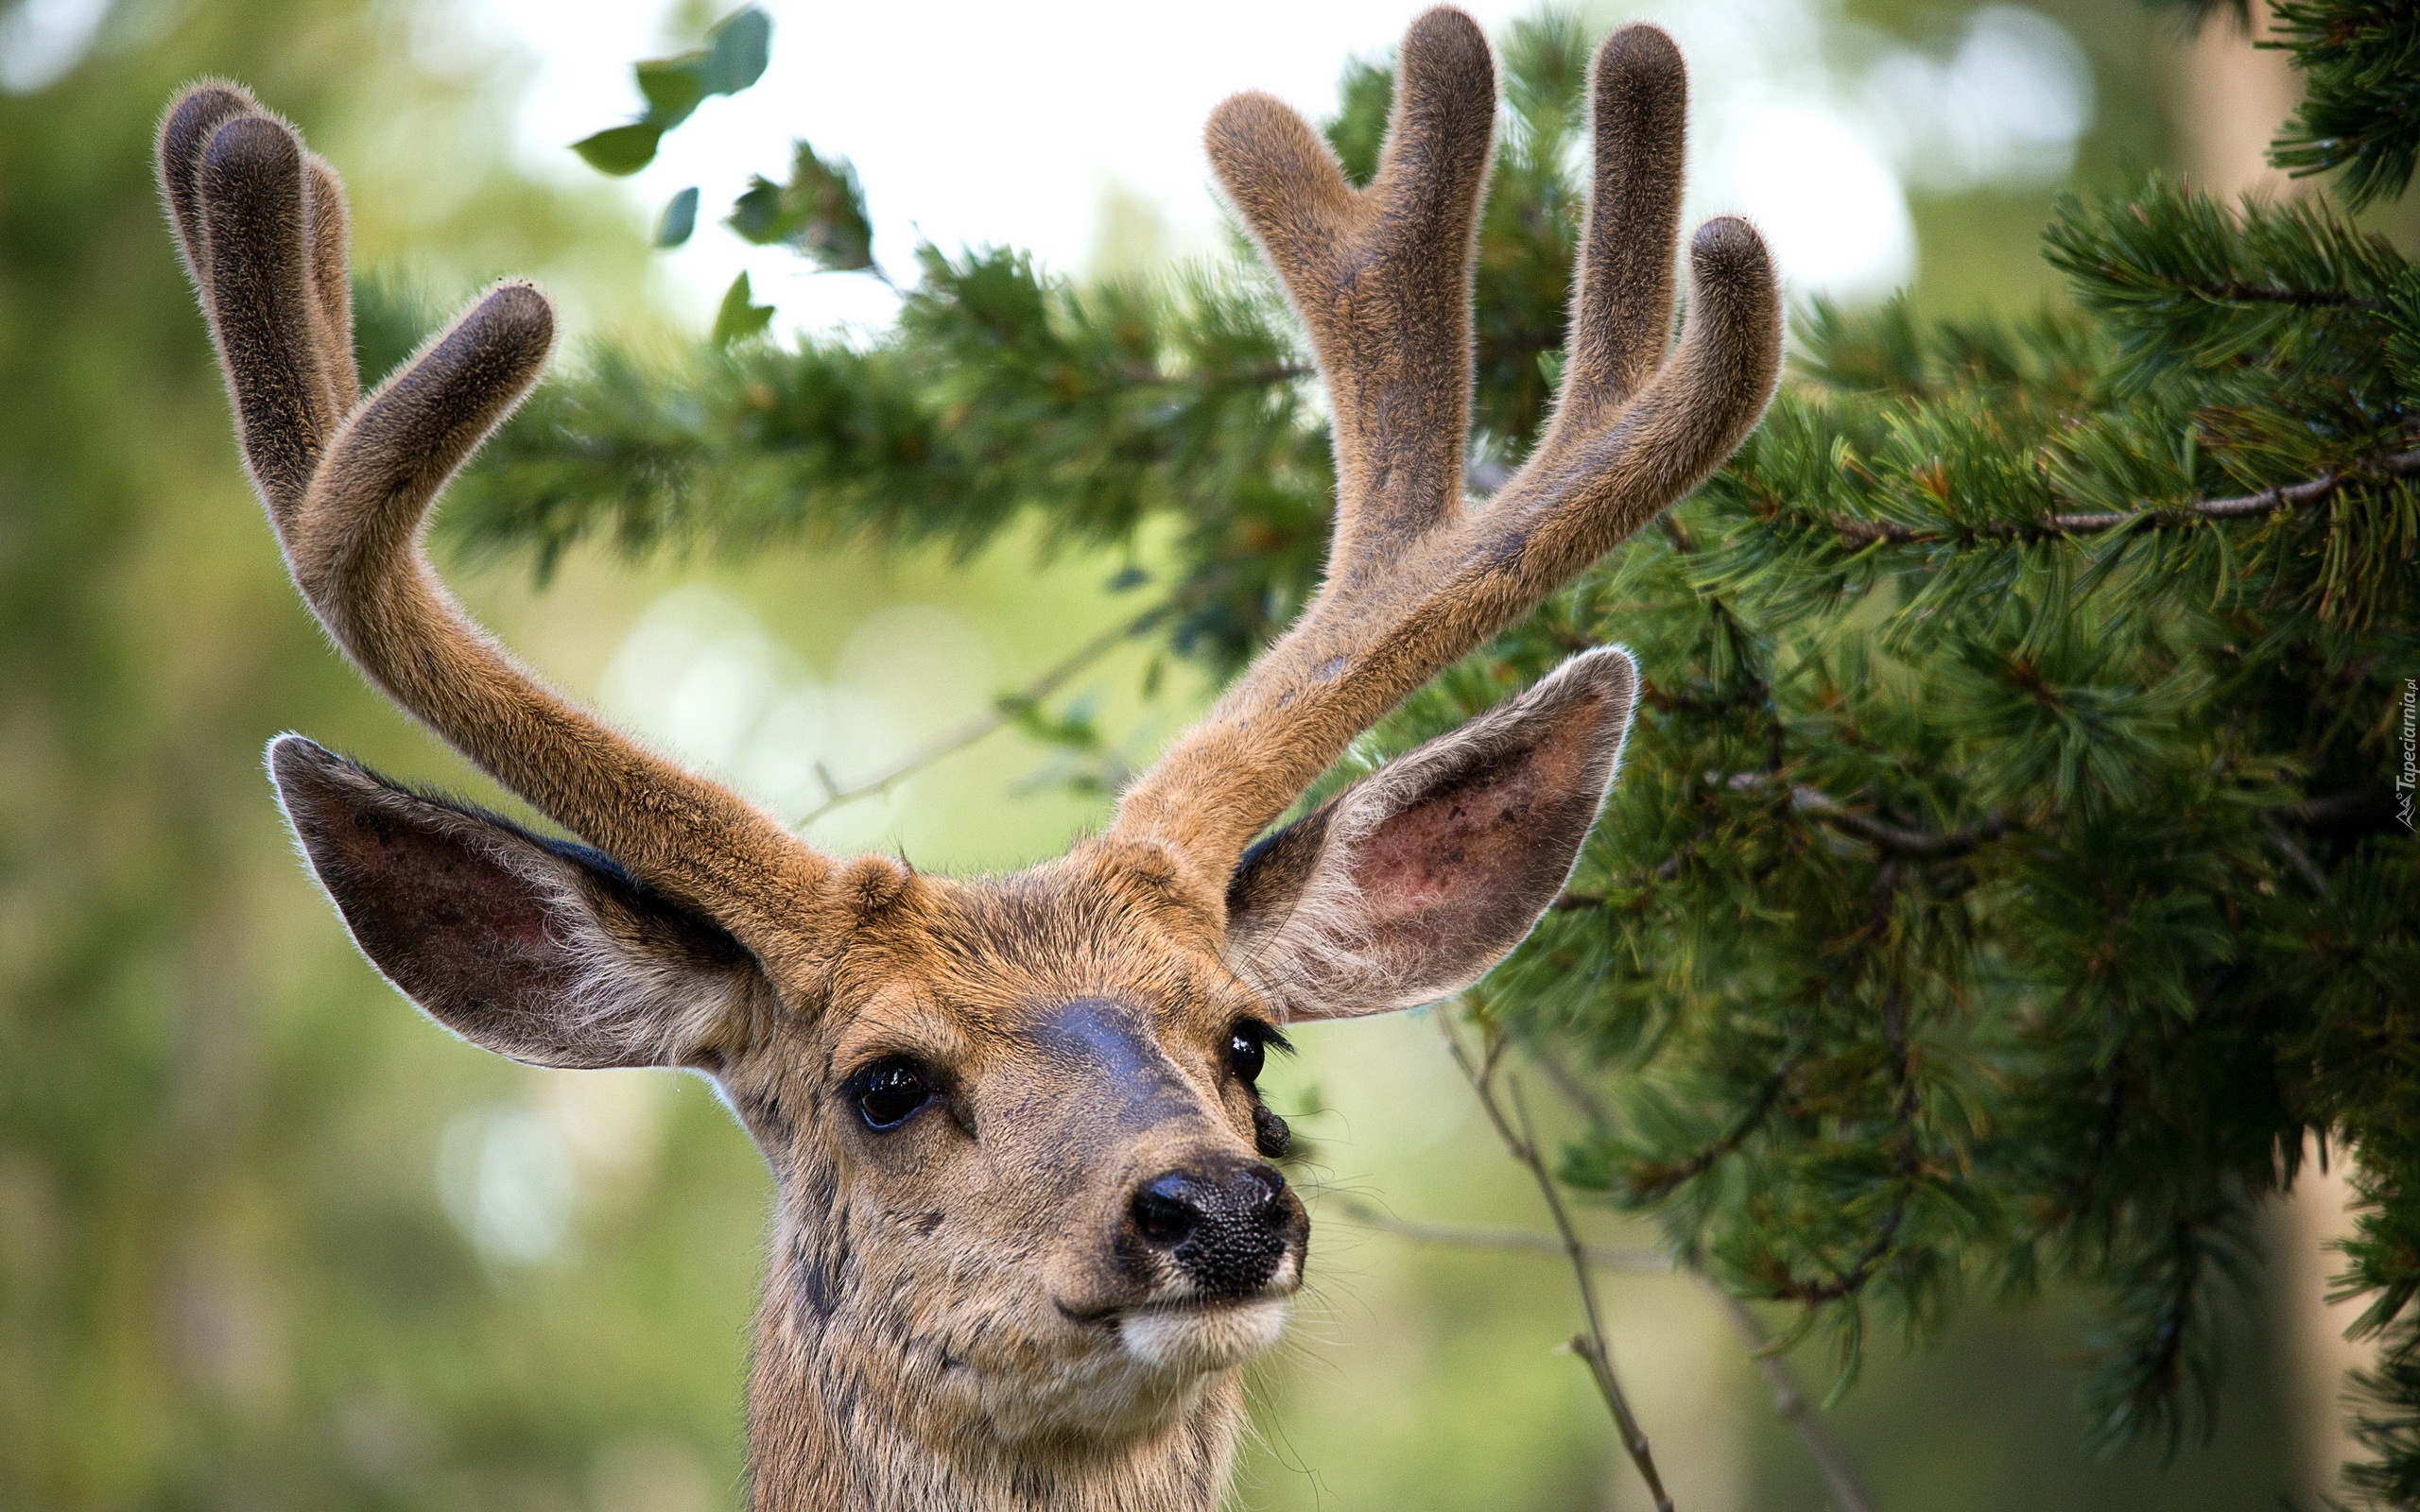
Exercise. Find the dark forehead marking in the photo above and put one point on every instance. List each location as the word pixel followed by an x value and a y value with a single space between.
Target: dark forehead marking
pixel 1113 1045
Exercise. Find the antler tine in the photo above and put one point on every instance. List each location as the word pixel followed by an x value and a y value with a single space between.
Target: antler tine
pixel 1621 317
pixel 1613 456
pixel 262 227
pixel 331 252
pixel 240 190
pixel 1381 277
pixel 1412 589
pixel 1588 488
pixel 184 129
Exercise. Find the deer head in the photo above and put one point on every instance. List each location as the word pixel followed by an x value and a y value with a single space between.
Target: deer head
pixel 1027 1227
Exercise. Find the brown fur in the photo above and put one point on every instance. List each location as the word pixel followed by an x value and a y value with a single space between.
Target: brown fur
pixel 976 1305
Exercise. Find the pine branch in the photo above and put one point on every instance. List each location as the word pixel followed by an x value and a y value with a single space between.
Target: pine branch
pixel 2190 286
pixel 1852 1279
pixel 1895 839
pixel 1651 1180
pixel 1916 845
pixel 1663 871
pixel 1907 1162
pixel 2250 506
pixel 1001 397
pixel 2142 1376
pixel 2234 291
pixel 2360 811
pixel 2360 107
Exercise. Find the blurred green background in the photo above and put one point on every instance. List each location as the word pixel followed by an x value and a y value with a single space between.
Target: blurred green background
pixel 268 1239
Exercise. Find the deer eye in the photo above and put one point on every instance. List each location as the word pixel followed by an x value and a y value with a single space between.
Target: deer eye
pixel 1247 1048
pixel 890 1091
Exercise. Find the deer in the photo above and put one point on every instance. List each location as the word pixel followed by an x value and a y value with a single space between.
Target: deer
pixel 1028 1229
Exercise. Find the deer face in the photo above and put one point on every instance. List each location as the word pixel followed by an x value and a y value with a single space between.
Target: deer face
pixel 1024 1189
pixel 1026 1156
pixel 1016 1123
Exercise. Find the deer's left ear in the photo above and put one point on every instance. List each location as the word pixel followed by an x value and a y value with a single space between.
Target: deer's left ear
pixel 536 949
pixel 1408 886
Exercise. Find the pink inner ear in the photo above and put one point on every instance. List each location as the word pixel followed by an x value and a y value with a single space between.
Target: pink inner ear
pixel 1452 847
pixel 458 919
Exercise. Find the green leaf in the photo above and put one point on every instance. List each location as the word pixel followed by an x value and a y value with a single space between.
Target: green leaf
pixel 821 212
pixel 741 316
pixel 737 51
pixel 620 150
pixel 733 58
pixel 672 87
pixel 679 220
pixel 757 214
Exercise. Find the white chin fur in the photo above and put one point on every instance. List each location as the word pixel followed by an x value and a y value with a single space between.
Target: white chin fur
pixel 1202 1338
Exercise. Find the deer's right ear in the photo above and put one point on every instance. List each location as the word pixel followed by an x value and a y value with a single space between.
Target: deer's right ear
pixel 1410 884
pixel 536 949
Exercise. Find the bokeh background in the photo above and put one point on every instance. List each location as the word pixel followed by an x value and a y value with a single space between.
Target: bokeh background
pixel 268 1239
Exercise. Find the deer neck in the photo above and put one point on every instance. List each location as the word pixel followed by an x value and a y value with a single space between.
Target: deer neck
pixel 849 1412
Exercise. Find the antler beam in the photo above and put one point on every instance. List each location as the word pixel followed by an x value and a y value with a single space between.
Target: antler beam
pixel 348 482
pixel 1381 276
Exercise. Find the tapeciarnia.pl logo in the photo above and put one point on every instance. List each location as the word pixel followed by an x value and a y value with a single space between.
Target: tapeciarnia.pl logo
pixel 2405 778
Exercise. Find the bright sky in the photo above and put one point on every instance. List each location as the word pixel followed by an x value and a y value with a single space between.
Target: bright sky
pixel 974 121
pixel 977 121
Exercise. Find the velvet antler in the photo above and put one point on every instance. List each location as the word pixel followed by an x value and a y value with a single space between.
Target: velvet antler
pixel 347 483
pixel 1381 277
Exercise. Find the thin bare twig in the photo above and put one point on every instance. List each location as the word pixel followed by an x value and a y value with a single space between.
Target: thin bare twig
pixel 1781 1383
pixel 1814 1433
pixel 1589 1345
pixel 1003 712
pixel 1453 1236
pixel 2367 806
pixel 1790 1400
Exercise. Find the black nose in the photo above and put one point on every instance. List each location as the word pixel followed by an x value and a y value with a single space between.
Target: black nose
pixel 1227 1226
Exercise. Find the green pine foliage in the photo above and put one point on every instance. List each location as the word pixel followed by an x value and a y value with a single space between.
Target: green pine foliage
pixel 2008 872
pixel 2360 66
pixel 1001 396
